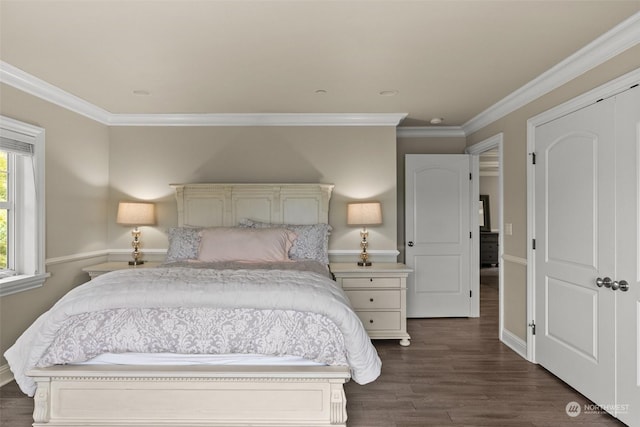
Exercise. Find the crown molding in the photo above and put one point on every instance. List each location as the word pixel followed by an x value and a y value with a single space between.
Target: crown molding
pixel 259 119
pixel 430 132
pixel 30 84
pixel 46 91
pixel 617 40
pixel 620 38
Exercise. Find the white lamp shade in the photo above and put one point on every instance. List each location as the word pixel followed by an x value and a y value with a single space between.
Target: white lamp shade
pixel 364 213
pixel 136 213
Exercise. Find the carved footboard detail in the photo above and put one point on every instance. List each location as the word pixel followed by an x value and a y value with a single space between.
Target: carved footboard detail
pixel 42 401
pixel 338 405
pixel 113 396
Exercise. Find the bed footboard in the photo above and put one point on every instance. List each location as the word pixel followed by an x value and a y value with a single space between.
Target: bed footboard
pixel 108 395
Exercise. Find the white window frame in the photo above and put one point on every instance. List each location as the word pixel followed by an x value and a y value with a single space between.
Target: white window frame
pixel 28 242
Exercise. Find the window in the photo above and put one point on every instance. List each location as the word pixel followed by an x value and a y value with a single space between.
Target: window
pixel 6 218
pixel 22 263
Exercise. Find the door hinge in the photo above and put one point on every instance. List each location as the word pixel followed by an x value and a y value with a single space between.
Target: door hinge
pixel 533 158
pixel 533 244
pixel 470 294
pixel 470 178
pixel 470 235
pixel 532 325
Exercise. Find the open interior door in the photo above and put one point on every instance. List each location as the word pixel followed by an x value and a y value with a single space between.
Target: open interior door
pixel 438 234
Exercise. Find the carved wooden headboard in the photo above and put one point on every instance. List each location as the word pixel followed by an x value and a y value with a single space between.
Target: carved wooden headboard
pixel 212 205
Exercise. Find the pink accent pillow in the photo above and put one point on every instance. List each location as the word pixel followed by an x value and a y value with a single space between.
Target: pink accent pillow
pixel 245 244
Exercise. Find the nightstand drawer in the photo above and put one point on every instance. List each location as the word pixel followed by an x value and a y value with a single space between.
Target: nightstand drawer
pixel 368 299
pixel 380 320
pixel 370 282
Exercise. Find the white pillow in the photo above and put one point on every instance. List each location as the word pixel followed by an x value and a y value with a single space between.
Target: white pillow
pixel 245 244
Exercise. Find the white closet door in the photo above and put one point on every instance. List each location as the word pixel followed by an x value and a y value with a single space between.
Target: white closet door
pixel 627 173
pixel 575 244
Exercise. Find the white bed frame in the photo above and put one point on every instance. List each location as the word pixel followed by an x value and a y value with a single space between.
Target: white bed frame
pixel 150 396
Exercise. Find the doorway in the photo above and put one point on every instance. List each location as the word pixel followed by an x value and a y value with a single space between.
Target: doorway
pixel 488 249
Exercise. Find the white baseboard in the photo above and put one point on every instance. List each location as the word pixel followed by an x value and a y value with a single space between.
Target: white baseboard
pixel 515 343
pixel 6 376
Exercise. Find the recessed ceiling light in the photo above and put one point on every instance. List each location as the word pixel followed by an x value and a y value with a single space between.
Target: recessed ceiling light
pixel 436 120
pixel 320 92
pixel 388 93
pixel 141 92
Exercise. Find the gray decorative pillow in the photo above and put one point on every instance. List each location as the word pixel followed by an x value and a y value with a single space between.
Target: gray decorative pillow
pixel 184 243
pixel 312 241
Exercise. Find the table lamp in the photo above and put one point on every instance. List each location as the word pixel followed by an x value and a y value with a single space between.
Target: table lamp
pixel 136 214
pixel 364 213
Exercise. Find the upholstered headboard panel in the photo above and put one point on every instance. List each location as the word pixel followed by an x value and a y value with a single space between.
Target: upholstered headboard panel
pixel 212 205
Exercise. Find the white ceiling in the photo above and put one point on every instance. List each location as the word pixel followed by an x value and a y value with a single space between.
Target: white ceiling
pixel 450 59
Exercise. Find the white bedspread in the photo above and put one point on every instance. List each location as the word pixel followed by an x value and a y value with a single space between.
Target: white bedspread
pixel 187 287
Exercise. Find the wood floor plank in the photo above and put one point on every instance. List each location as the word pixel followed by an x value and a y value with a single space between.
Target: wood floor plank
pixel 455 373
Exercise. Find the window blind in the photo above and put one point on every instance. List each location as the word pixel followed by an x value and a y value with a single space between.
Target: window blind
pixel 17 147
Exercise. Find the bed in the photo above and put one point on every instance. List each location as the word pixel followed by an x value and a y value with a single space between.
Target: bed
pixel 297 337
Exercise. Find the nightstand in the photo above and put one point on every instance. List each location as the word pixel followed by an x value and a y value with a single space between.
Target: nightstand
pixel 378 294
pixel 98 269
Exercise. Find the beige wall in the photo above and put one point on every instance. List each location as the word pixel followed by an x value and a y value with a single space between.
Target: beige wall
pixel 514 128
pixel 76 163
pixel 360 161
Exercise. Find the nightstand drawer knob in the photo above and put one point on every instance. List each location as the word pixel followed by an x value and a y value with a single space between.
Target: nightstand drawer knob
pixel 370 320
pixel 370 299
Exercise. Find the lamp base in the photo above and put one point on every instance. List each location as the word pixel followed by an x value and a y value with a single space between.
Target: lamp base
pixel 364 263
pixel 136 262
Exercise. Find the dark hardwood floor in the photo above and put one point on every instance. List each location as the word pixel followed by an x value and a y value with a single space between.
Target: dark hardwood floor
pixel 455 373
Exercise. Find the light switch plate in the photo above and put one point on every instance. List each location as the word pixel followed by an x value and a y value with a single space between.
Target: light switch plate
pixel 508 228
